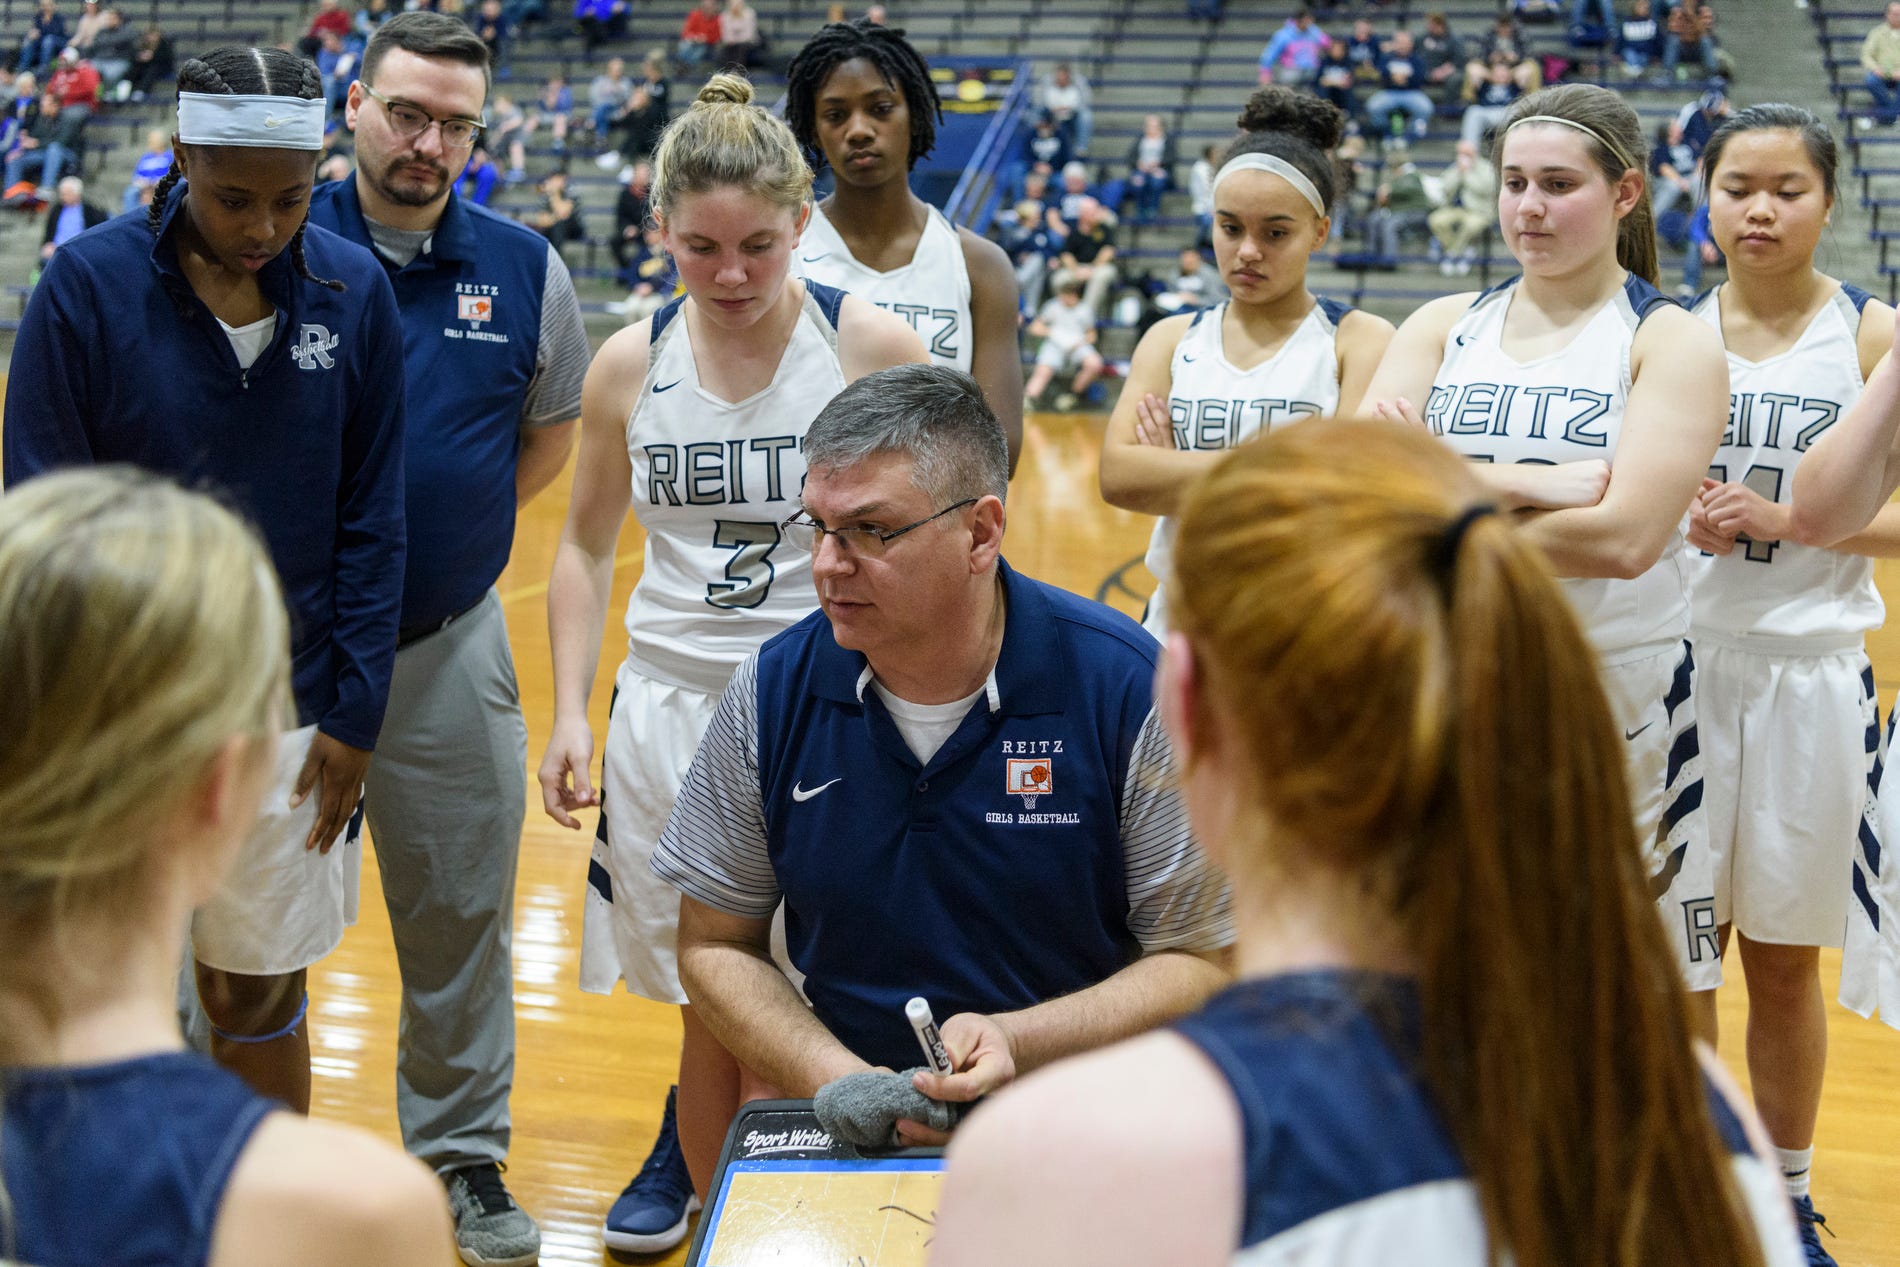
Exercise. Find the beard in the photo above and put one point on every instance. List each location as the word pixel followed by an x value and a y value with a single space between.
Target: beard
pixel 407 189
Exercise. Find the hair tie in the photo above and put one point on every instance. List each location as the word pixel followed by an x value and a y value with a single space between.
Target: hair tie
pixel 1445 553
pixel 1257 162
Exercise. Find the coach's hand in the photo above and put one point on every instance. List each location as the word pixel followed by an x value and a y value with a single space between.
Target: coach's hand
pixel 338 769
pixel 984 1061
pixel 563 775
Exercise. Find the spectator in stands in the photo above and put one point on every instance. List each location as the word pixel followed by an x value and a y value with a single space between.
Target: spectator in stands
pixel 600 21
pixel 553 108
pixel 72 216
pixel 632 215
pixel 45 36
pixel 153 163
pixel 740 41
pixel 112 52
pixel 42 154
pixel 328 17
pixel 644 117
pixel 1880 58
pixel 336 63
pixel 1334 82
pixel 1536 10
pixel 1066 326
pixel 1201 195
pixel 1075 191
pixel 1194 285
pixel 1363 50
pixel 1505 40
pixel 507 127
pixel 369 17
pixel 1348 167
pixel 1400 74
pixel 1691 29
pixel 699 34
pixel 1402 206
pixel 649 277
pixel 1702 251
pixel 1672 174
pixel 1492 101
pixel 1031 245
pixel 1639 39
pixel 477 183
pixel 1043 151
pixel 1442 55
pixel 1150 169
pixel 492 27
pixel 25 96
pixel 1701 117
pixel 876 15
pixel 1087 255
pixel 76 84
pixel 1036 186
pixel 559 219
pixel 607 97
pixel 1292 56
pixel 1065 97
pixel 153 63
pixel 1469 188
pixel 91 18
pixel 1584 12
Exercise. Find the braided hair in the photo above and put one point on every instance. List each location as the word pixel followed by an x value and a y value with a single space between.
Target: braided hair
pixel 901 65
pixel 233 70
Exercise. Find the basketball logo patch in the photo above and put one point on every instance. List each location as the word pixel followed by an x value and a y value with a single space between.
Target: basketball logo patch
pixel 474 307
pixel 1030 778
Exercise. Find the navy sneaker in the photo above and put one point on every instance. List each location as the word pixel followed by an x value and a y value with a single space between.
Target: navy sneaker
pixel 651 1214
pixel 1807 1221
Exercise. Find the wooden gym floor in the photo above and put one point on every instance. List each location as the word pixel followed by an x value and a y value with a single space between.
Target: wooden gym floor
pixel 591 1073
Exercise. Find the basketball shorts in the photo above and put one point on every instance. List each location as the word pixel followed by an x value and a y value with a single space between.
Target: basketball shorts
pixel 1653 701
pixel 1788 742
pixel 283 907
pixel 1061 359
pixel 630 923
pixel 1870 957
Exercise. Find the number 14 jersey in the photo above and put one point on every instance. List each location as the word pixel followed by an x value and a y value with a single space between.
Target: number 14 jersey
pixel 1778 408
pixel 712 482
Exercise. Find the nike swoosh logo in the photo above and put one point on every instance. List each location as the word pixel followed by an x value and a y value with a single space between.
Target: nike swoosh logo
pixel 800 794
pixel 669 387
pixel 1631 734
pixel 1185 358
pixel 276 120
pixel 813 259
pixel 1462 339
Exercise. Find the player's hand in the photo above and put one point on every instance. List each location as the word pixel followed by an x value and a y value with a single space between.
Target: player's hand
pixel 1566 486
pixel 1151 422
pixel 1702 534
pixel 339 769
pixel 1735 509
pixel 563 775
pixel 980 1053
pixel 1401 411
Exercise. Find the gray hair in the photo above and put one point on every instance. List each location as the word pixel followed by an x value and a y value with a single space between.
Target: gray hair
pixel 931 414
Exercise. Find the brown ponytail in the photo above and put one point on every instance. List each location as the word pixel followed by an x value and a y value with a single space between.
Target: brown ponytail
pixel 1422 710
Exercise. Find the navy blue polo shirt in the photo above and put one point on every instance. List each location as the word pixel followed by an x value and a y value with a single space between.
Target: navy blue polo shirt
pixel 471 327
pixel 1038 852
pixel 118 360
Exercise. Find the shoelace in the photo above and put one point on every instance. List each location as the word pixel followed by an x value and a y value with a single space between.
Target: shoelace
pixel 660 1173
pixel 484 1183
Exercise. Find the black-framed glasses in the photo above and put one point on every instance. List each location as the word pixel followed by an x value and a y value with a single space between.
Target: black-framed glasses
pixel 805 533
pixel 407 121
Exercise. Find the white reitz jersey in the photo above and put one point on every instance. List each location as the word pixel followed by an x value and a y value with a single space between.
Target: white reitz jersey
pixel 1777 409
pixel 712 482
pixel 1215 405
pixel 1564 407
pixel 932 292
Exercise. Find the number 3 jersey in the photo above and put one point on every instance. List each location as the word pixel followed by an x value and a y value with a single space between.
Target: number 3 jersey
pixel 1778 408
pixel 1566 406
pixel 712 482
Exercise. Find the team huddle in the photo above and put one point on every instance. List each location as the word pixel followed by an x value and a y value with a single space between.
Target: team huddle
pixel 1502 668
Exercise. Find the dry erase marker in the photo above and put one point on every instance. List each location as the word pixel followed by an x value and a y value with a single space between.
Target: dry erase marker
pixel 935 1054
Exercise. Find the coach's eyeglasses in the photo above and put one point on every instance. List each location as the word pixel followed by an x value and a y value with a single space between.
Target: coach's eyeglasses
pixel 408 121
pixel 804 532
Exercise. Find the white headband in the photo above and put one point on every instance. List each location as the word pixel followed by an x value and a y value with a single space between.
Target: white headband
pixel 1616 151
pixel 1279 167
pixel 255 119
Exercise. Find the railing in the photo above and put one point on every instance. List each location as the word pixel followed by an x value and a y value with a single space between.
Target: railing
pixel 973 202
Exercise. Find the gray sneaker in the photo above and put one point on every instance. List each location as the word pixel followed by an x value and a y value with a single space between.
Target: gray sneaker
pixel 490 1229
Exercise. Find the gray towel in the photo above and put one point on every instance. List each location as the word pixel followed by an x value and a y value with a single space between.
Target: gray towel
pixel 863 1109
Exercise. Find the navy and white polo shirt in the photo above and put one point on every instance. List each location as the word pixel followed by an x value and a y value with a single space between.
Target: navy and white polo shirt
pixel 492 342
pixel 1039 851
